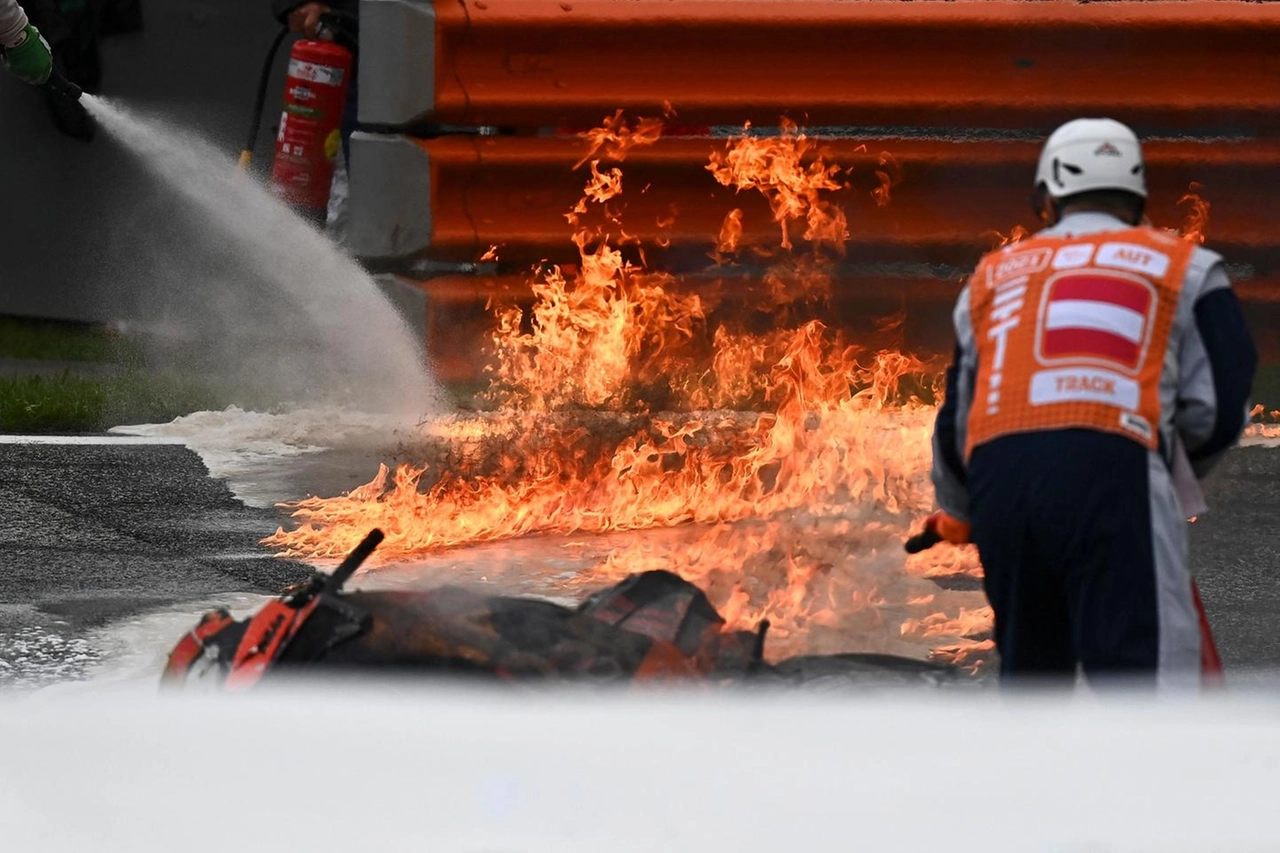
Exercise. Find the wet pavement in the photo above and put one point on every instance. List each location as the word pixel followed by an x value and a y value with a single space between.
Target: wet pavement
pixel 1235 551
pixel 110 549
pixel 94 534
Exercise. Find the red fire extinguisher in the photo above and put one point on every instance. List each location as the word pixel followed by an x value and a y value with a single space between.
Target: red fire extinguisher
pixel 309 138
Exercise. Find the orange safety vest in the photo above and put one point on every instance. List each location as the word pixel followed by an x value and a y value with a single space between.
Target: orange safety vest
pixel 1072 332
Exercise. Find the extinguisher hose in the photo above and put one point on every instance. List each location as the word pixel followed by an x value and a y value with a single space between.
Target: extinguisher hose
pixel 260 102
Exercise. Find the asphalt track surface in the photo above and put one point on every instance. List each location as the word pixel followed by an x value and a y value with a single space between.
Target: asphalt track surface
pixel 97 534
pixel 94 534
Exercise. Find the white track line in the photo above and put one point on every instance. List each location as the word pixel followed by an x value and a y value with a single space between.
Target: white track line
pixel 87 439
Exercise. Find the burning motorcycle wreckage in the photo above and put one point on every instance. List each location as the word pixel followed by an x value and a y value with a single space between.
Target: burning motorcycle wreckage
pixel 651 627
pixel 761 472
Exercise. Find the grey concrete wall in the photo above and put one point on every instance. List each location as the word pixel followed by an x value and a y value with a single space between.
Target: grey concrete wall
pixel 75 219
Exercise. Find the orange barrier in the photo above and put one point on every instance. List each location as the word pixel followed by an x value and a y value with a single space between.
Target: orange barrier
pixel 1201 64
pixel 947 202
pixel 964 91
pixel 460 314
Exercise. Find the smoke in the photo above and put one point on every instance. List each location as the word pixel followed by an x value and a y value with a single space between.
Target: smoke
pixel 234 286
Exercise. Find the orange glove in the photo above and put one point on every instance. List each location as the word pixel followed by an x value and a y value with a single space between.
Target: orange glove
pixel 938 527
pixel 948 527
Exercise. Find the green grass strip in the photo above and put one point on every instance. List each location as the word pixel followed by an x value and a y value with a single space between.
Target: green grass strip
pixel 75 404
pixel 61 341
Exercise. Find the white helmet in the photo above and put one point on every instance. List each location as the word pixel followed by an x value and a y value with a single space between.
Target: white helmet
pixel 1092 154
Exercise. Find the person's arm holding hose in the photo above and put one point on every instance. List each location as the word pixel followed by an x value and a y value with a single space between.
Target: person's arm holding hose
pixel 300 17
pixel 22 48
pixel 303 16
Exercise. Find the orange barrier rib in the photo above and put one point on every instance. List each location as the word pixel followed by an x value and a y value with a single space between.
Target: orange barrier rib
pixel 970 63
pixel 947 201
pixel 460 314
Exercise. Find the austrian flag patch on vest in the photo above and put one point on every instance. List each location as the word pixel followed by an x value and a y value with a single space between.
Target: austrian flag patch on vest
pixel 1077 341
pixel 1097 316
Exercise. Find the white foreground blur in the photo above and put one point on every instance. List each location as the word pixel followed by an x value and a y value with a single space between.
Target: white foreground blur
pixel 402 767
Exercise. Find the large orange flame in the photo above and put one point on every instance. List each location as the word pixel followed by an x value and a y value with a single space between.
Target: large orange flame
pixel 803 459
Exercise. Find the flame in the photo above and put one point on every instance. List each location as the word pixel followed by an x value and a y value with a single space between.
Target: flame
pixel 619 407
pixel 735 370
pixel 793 584
pixel 664 223
pixel 1196 225
pixel 956 565
pixel 999 240
pixel 791 172
pixel 1267 431
pixel 969 624
pixel 603 185
pixel 730 236
pixel 491 254
pixel 776 166
pixel 891 322
pixel 973 656
pixel 616 136
pixel 826 444
pixel 670 218
pixel 1259 429
pixel 887 175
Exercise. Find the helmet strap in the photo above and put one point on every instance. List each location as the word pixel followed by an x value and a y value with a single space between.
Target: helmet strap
pixel 1045 206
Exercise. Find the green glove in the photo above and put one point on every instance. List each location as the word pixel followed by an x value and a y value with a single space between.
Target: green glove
pixel 30 59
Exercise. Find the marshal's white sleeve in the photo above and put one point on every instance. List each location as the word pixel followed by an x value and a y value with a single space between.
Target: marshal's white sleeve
pixel 951 425
pixel 1216 360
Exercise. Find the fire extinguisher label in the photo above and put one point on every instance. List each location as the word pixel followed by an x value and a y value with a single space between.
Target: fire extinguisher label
pixel 325 75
